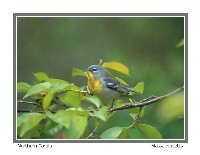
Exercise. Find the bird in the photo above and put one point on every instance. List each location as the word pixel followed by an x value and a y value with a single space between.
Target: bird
pixel 104 85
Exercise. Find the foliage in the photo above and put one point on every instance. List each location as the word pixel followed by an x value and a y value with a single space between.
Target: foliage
pixel 65 110
pixel 181 43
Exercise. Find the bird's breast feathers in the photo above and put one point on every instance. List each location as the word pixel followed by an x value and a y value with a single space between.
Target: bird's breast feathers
pixel 94 85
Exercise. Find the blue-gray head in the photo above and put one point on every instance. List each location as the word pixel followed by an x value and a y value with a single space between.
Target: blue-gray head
pixel 97 71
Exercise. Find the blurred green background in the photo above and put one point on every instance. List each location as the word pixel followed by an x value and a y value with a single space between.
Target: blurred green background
pixel 146 45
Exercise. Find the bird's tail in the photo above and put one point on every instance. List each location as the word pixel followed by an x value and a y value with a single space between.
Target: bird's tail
pixel 131 91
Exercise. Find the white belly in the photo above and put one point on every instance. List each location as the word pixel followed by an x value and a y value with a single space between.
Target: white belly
pixel 109 93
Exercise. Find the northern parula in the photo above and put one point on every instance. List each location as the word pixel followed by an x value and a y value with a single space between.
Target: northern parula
pixel 104 85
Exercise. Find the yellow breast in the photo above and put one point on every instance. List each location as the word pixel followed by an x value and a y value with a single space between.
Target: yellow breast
pixel 94 85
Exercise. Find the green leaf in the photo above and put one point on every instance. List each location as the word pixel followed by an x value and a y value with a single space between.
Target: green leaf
pixel 61 117
pixel 125 133
pixel 57 81
pixel 102 113
pixel 92 99
pixel 78 111
pixel 77 127
pixel 134 133
pixel 37 89
pixel 116 66
pixel 41 77
pixel 142 113
pixel 33 133
pixel 72 87
pixel 51 128
pixel 28 121
pixel 121 81
pixel 112 133
pixel 119 102
pixel 149 132
pixel 139 87
pixel 73 120
pixel 47 101
pixel 58 87
pixel 135 111
pixel 78 72
pixel 23 87
pixel 71 98
pixel 21 118
pixel 133 115
pixel 181 43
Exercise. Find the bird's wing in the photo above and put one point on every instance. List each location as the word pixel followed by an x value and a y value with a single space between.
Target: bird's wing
pixel 111 82
pixel 116 85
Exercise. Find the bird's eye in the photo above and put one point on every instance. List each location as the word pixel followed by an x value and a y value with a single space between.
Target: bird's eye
pixel 94 69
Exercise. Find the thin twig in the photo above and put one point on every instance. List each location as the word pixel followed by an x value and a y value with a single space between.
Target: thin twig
pixel 138 115
pixel 31 111
pixel 40 111
pixel 33 103
pixel 94 131
pixel 144 103
pixel 29 102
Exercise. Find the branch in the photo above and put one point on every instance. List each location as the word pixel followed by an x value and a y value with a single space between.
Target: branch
pixel 146 102
pixel 33 103
pixel 94 131
pixel 29 102
pixel 29 111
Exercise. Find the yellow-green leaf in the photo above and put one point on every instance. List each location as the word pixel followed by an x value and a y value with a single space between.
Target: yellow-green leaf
pixel 149 132
pixel 58 87
pixel 92 99
pixel 102 113
pixel 121 81
pixel 181 43
pixel 38 88
pixel 78 72
pixel 73 87
pixel 136 110
pixel 57 81
pixel 74 121
pixel 71 98
pixel 116 66
pixel 139 87
pixel 133 115
pixel 51 128
pixel 76 128
pixel 119 102
pixel 41 77
pixel 61 117
pixel 77 111
pixel 23 87
pixel 47 100
pixel 112 133
pixel 28 121
pixel 125 133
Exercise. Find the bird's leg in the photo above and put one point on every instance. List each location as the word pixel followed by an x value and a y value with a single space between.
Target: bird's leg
pixel 88 91
pixel 112 104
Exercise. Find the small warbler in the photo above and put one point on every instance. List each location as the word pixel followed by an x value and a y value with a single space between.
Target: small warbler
pixel 104 85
